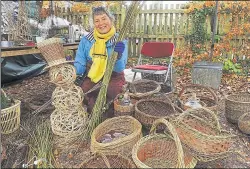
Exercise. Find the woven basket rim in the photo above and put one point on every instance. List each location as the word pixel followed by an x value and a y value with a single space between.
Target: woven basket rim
pixel 230 99
pixel 148 115
pixel 120 140
pixel 17 103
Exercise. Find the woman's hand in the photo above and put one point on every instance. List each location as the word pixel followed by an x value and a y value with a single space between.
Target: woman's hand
pixel 119 48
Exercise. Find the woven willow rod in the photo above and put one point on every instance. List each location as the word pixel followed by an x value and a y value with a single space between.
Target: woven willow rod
pixel 97 111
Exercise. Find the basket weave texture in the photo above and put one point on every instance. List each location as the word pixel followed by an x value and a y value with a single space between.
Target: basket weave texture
pixel 161 150
pixel 124 124
pixel 143 88
pixel 206 95
pixel 10 118
pixel 244 123
pixel 124 110
pixel 108 161
pixel 199 130
pixel 236 105
pixel 64 74
pixel 149 110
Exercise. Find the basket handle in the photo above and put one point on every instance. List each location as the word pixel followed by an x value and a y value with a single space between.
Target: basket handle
pixel 211 113
pixel 175 137
pixel 201 87
pixel 105 159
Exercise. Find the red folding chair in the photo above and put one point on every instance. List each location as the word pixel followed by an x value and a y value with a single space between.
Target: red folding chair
pixel 156 50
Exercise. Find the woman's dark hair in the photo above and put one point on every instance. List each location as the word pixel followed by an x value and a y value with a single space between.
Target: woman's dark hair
pixel 102 10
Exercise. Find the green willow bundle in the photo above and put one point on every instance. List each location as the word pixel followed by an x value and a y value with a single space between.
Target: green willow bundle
pixel 99 106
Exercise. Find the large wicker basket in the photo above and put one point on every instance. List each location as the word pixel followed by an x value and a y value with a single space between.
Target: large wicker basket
pixel 124 124
pixel 149 110
pixel 10 118
pixel 244 123
pixel 206 95
pixel 142 88
pixel 107 161
pixel 199 130
pixel 161 150
pixel 236 105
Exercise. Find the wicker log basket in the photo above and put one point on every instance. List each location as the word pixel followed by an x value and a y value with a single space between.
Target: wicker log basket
pixel 10 117
pixel 107 161
pixel 161 150
pixel 149 110
pixel 142 88
pixel 124 124
pixel 199 130
pixel 206 95
pixel 236 105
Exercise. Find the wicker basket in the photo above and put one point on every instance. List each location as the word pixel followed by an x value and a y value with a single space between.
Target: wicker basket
pixel 10 118
pixel 108 161
pixel 199 130
pixel 206 95
pixel 142 88
pixel 236 105
pixel 124 124
pixel 146 109
pixel 161 150
pixel 244 123
pixel 124 110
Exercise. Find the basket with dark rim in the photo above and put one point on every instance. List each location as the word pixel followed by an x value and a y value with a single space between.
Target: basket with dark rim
pixel 199 130
pixel 107 161
pixel 123 124
pixel 236 105
pixel 124 110
pixel 149 110
pixel 142 88
pixel 161 150
pixel 206 95
pixel 244 123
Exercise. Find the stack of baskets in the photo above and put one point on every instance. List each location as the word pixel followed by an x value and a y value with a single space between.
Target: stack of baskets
pixel 161 150
pixel 206 95
pixel 199 130
pixel 69 117
pixel 10 117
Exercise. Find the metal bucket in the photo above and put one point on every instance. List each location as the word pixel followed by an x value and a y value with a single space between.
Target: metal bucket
pixel 207 73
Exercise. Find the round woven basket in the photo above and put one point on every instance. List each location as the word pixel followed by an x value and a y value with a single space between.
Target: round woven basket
pixel 124 124
pixel 236 105
pixel 161 150
pixel 108 161
pixel 244 123
pixel 10 118
pixel 142 88
pixel 68 124
pixel 64 74
pixel 149 110
pixel 124 110
pixel 206 95
pixel 199 130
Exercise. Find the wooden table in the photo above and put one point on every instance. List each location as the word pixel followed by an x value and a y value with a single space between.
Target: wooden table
pixel 25 50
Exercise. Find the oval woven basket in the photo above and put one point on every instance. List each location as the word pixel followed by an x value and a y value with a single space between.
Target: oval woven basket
pixel 161 150
pixel 236 105
pixel 206 95
pixel 199 130
pixel 124 124
pixel 10 118
pixel 107 161
pixel 142 88
pixel 244 123
pixel 149 110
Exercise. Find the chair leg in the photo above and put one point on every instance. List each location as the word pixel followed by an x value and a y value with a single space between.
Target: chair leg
pixel 134 76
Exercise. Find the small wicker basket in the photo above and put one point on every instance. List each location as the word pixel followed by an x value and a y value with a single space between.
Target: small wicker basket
pixel 10 118
pixel 149 110
pixel 124 124
pixel 124 110
pixel 107 161
pixel 244 123
pixel 161 150
pixel 199 130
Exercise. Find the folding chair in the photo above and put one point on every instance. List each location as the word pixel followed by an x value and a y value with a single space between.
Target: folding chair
pixel 160 73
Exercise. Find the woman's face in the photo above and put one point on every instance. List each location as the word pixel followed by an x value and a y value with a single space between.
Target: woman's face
pixel 102 23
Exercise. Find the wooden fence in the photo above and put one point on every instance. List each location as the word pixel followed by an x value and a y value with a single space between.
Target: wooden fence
pixel 155 22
